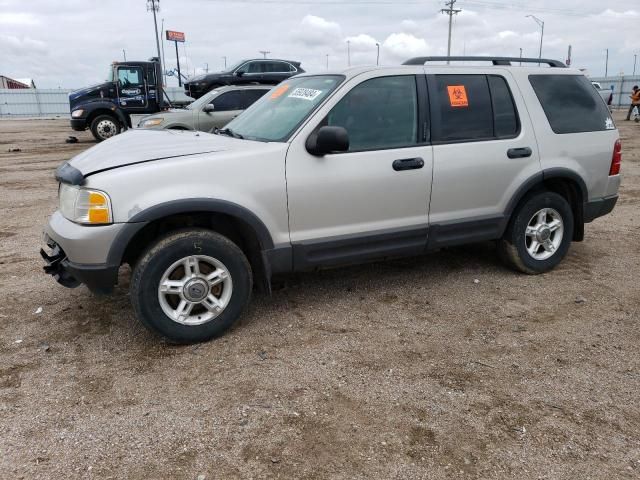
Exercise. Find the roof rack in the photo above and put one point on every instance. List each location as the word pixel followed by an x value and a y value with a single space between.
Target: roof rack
pixel 505 61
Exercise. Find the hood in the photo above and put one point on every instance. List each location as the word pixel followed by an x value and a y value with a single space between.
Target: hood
pixel 138 146
pixel 90 93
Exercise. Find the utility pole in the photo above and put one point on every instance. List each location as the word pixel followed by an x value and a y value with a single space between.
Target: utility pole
pixel 124 54
pixel 206 70
pixel 635 60
pixel 225 62
pixel 327 61
pixel 541 25
pixel 521 55
pixel 154 6
pixel 164 71
pixel 264 53
pixel 451 12
pixel 378 54
pixel 606 63
pixel 349 53
pixel 568 62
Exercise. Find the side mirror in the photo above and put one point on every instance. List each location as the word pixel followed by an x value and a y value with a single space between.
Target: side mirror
pixel 239 74
pixel 209 107
pixel 328 140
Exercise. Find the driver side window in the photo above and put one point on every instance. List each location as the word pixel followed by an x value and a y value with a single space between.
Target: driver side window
pixel 379 113
pixel 129 76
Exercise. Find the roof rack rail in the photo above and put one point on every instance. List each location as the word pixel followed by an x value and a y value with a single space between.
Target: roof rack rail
pixel 495 60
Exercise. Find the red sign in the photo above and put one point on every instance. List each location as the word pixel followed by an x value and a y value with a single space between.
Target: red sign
pixel 175 36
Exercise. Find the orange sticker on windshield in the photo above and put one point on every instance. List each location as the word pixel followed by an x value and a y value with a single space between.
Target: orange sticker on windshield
pixel 278 92
pixel 458 96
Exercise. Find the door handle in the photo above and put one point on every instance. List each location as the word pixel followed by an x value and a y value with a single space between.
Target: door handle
pixel 408 164
pixel 519 152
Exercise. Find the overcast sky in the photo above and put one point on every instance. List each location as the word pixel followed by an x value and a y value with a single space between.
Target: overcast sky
pixel 70 43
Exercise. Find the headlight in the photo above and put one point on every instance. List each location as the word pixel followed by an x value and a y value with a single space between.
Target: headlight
pixel 81 205
pixel 77 113
pixel 152 122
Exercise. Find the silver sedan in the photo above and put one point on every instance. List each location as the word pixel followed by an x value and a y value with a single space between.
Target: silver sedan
pixel 213 110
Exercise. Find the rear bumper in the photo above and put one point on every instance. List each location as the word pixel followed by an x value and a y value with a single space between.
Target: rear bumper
pixel 99 279
pixel 598 208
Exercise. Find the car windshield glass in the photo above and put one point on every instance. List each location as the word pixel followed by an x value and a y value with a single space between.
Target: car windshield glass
pixel 275 116
pixel 202 101
pixel 234 66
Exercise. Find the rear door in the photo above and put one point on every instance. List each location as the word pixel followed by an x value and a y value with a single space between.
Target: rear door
pixel 131 87
pixel 484 148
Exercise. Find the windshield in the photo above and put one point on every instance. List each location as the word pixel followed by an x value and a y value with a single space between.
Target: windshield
pixel 234 66
pixel 275 116
pixel 202 101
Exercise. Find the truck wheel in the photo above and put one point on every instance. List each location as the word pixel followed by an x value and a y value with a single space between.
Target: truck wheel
pixel 539 234
pixel 105 126
pixel 191 286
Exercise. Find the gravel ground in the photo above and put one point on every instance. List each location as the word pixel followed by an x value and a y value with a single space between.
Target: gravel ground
pixel 445 366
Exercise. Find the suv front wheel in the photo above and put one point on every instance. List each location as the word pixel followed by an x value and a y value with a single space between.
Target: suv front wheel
pixel 539 234
pixel 191 286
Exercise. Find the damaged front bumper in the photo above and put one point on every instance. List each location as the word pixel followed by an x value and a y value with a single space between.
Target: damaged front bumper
pixel 98 278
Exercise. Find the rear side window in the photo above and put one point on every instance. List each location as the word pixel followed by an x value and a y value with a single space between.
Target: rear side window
pixel 571 104
pixel 462 109
pixel 504 111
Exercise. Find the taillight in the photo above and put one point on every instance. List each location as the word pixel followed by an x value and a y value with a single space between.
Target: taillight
pixel 616 159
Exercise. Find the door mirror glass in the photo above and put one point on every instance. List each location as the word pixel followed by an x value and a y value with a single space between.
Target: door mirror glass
pixel 328 140
pixel 209 107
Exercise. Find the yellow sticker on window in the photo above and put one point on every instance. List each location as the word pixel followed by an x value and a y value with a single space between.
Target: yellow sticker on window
pixel 458 96
pixel 278 92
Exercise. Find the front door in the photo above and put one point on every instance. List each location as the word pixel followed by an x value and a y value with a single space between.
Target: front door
pixel 484 148
pixel 227 106
pixel 371 201
pixel 132 93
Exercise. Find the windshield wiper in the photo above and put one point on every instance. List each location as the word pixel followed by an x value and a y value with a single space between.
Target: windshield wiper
pixel 227 131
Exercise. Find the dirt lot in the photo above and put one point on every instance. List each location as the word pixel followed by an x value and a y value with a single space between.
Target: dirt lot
pixel 409 369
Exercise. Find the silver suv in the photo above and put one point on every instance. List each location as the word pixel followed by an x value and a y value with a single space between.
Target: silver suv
pixel 337 168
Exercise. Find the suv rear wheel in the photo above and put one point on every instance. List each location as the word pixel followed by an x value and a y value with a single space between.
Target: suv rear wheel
pixel 191 286
pixel 539 234
pixel 105 126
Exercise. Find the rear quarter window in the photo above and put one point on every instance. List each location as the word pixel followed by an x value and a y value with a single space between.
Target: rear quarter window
pixel 571 104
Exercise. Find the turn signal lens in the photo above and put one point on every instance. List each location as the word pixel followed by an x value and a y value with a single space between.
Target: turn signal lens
pixel 90 207
pixel 616 160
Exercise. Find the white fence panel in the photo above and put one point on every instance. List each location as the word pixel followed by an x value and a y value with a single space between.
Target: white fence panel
pixel 31 102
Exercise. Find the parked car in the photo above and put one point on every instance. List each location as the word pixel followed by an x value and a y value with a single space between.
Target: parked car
pixel 265 71
pixel 332 169
pixel 213 110
pixel 605 93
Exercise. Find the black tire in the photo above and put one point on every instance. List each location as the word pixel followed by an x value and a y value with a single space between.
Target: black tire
pixel 159 257
pixel 104 127
pixel 512 248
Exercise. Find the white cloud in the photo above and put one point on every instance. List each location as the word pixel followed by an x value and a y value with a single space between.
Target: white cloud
pixel 361 42
pixel 316 31
pixel 18 19
pixel 402 46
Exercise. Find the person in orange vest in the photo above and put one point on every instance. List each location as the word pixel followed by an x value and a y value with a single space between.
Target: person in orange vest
pixel 635 101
